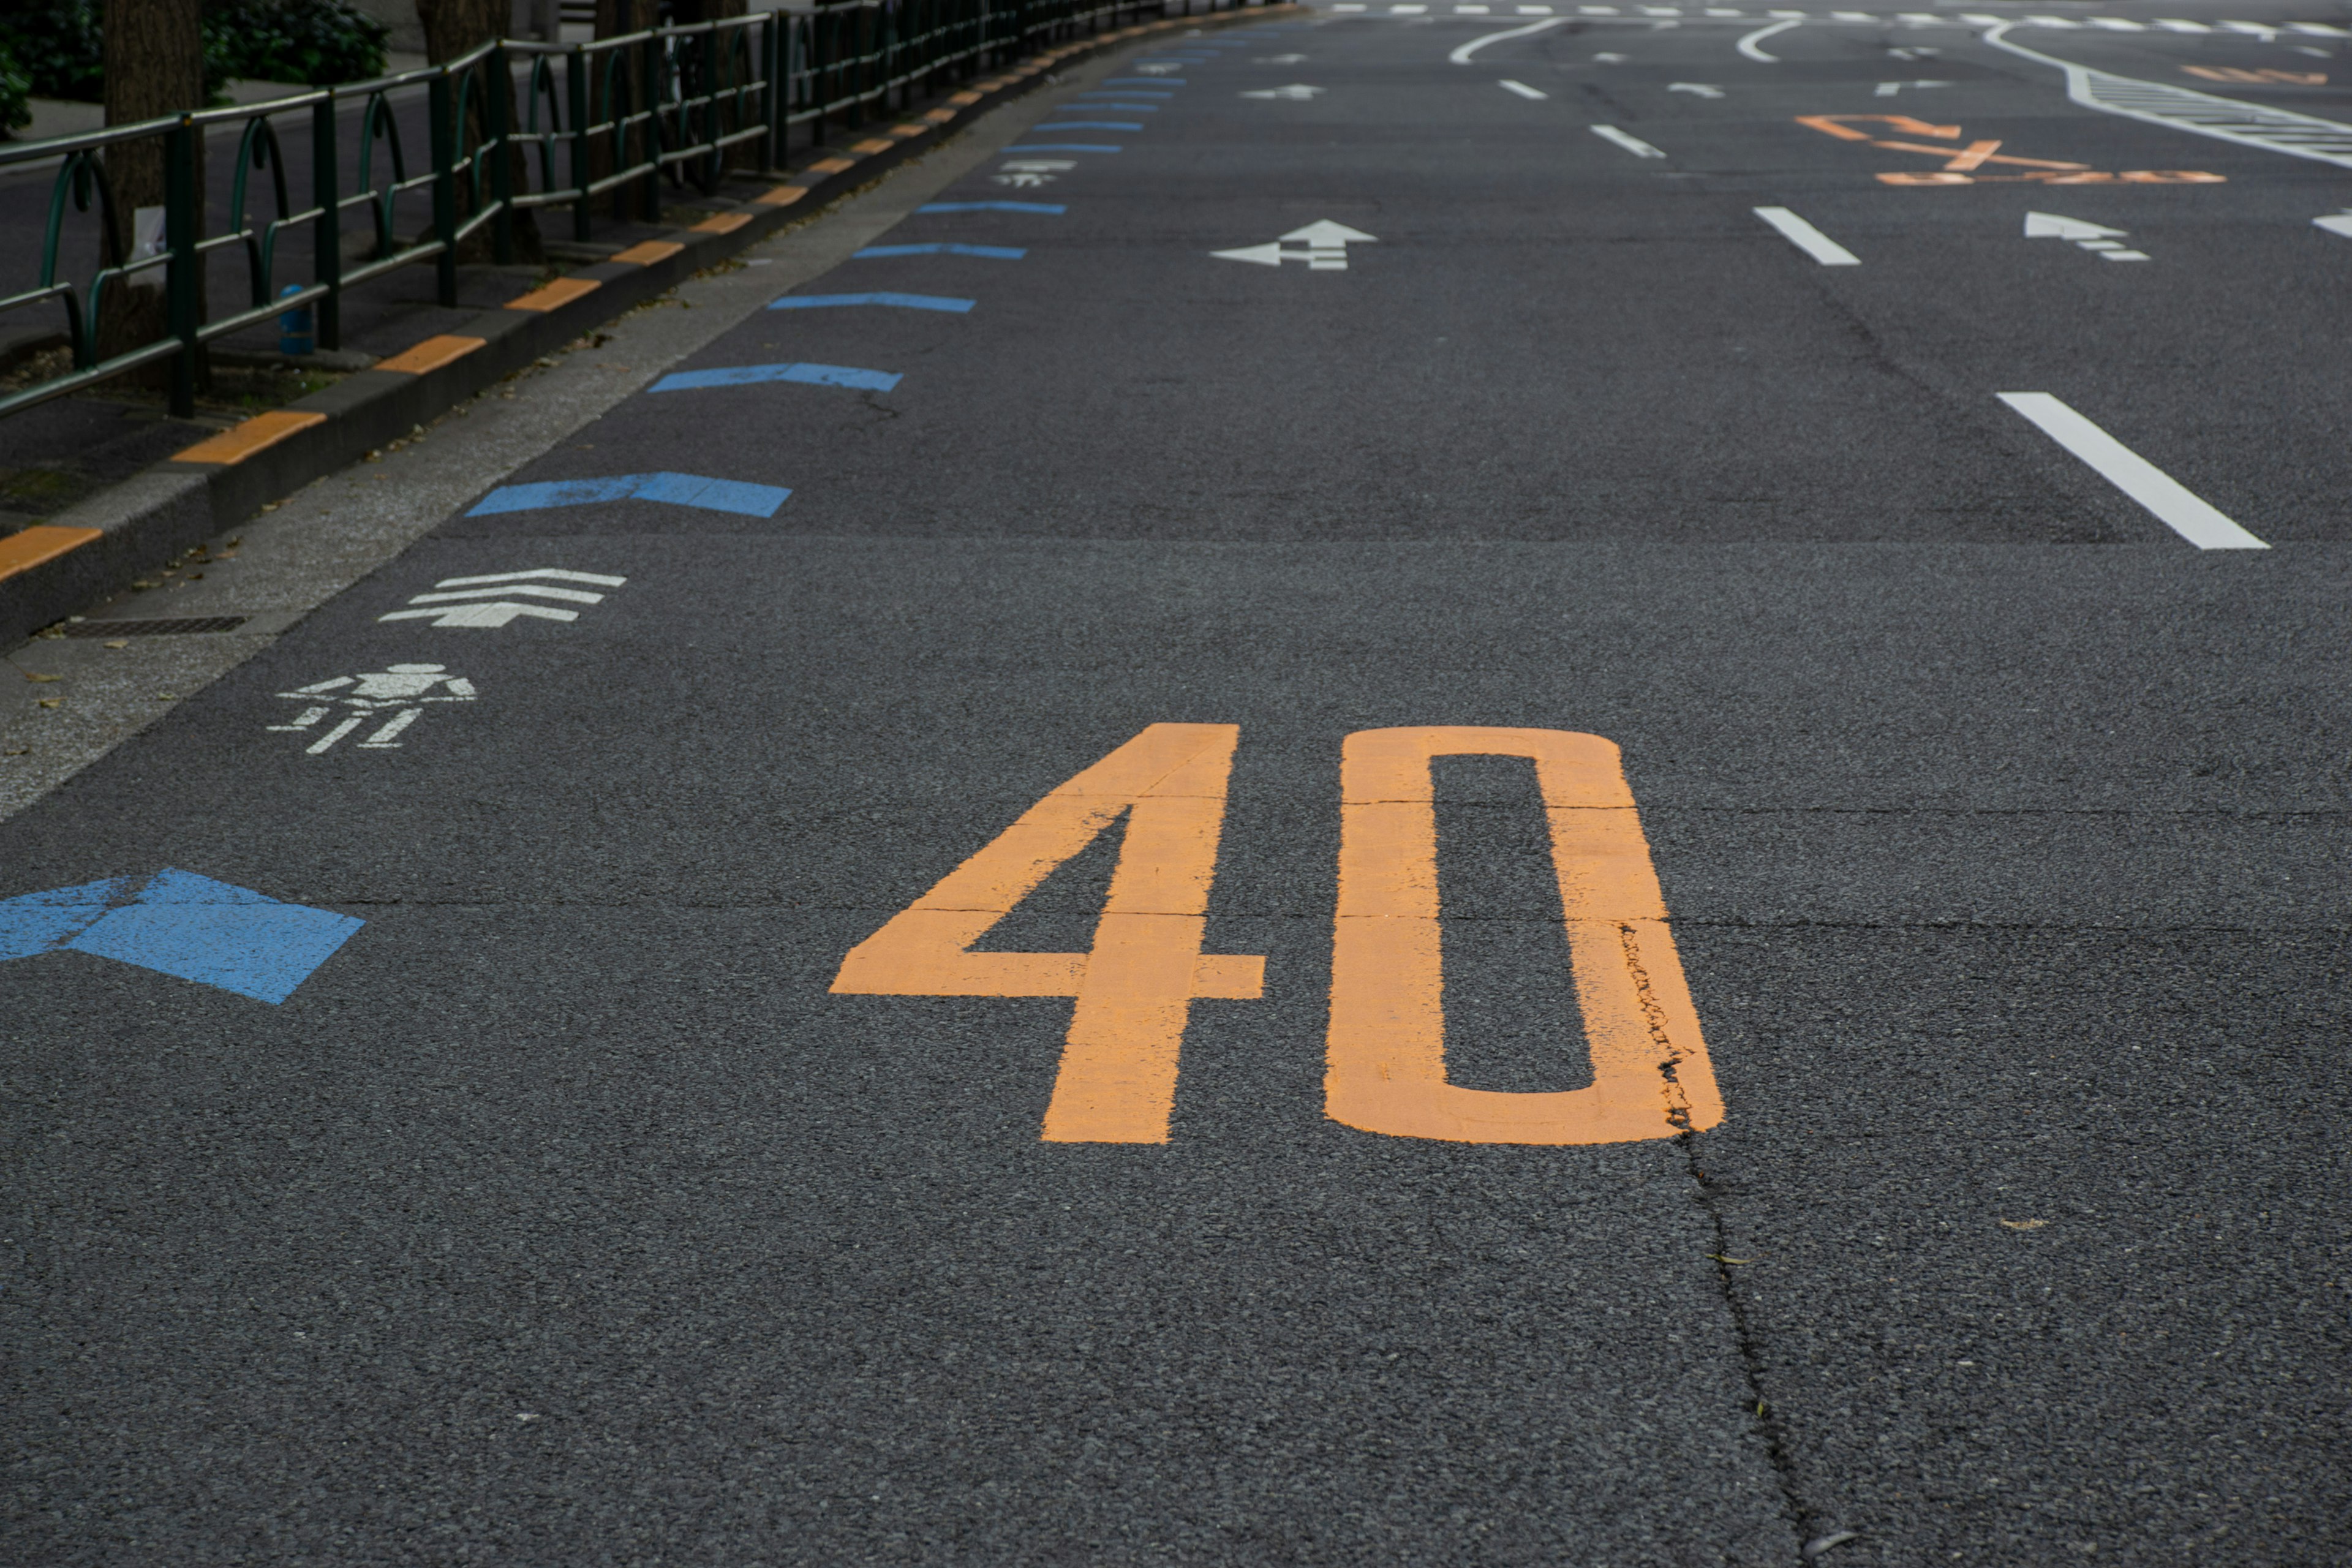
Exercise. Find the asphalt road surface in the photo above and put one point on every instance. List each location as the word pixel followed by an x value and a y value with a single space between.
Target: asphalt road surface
pixel 774 1070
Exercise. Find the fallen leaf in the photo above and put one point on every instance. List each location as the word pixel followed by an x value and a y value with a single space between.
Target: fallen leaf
pixel 1720 1258
pixel 2025 1223
pixel 50 702
pixel 29 676
pixel 118 643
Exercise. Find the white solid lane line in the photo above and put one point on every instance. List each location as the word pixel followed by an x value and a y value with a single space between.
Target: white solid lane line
pixel 1808 239
pixel 1461 56
pixel 1747 45
pixel 1522 88
pixel 1632 143
pixel 2134 475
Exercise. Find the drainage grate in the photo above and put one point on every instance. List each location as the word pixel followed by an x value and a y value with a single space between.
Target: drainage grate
pixel 155 628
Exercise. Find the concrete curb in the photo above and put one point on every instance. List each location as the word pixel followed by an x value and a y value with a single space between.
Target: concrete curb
pixel 95 549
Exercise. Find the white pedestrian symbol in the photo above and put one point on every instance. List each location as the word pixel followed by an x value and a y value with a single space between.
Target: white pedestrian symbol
pixel 404 688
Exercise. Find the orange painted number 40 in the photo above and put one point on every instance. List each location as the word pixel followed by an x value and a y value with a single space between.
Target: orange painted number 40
pixel 1385 1055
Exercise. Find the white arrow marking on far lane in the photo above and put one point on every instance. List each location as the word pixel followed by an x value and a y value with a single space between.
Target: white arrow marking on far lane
pixel 1522 88
pixel 2091 236
pixel 1327 247
pixel 1747 45
pixel 2340 223
pixel 1696 89
pixel 1296 93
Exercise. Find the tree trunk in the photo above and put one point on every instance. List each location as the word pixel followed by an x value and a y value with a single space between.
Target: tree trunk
pixel 454 27
pixel 154 66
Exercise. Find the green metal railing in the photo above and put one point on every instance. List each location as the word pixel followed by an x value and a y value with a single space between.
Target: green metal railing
pixel 623 119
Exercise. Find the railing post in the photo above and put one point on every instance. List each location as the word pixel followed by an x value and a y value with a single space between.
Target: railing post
pixel 182 275
pixel 575 98
pixel 327 229
pixel 654 52
pixel 496 146
pixel 780 87
pixel 444 184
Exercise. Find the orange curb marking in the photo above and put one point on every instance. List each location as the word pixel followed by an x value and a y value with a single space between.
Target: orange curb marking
pixel 1385 1065
pixel 431 355
pixel 23 552
pixel 939 116
pixel 257 434
pixel 647 252
pixel 830 166
pixel 782 195
pixel 722 223
pixel 1135 989
pixel 872 144
pixel 903 132
pixel 562 292
pixel 965 98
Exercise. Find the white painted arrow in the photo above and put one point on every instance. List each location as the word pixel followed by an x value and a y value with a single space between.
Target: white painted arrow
pixel 2091 236
pixel 1324 232
pixel 1698 89
pixel 2340 223
pixel 2050 226
pixel 1296 93
pixel 1327 247
pixel 497 615
pixel 1281 59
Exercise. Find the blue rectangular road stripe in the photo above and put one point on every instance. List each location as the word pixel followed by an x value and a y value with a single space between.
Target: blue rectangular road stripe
pixel 1060 147
pixel 903 301
pixel 1092 125
pixel 1130 93
pixel 1154 81
pixel 675 490
pixel 1084 107
pixel 809 375
pixel 1055 208
pixel 945 248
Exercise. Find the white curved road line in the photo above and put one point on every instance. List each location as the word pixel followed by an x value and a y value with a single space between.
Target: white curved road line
pixel 1747 45
pixel 2201 113
pixel 1461 56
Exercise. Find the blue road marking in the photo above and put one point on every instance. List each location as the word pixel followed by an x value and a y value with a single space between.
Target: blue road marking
pixel 1130 93
pixel 948 247
pixel 1093 125
pixel 1060 147
pixel 675 490
pixel 181 924
pixel 903 301
pixel 1055 208
pixel 1140 81
pixel 810 375
pixel 1121 108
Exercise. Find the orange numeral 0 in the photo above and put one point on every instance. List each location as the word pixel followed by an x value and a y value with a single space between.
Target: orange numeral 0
pixel 1386 1052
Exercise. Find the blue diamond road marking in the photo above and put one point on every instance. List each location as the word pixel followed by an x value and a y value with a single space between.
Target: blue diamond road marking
pixel 675 490
pixel 903 301
pixel 1090 125
pixel 1055 208
pixel 181 924
pixel 1062 147
pixel 749 375
pixel 1141 81
pixel 994 252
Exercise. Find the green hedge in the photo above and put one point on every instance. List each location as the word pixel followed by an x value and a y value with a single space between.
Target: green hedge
pixel 59 53
pixel 15 87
